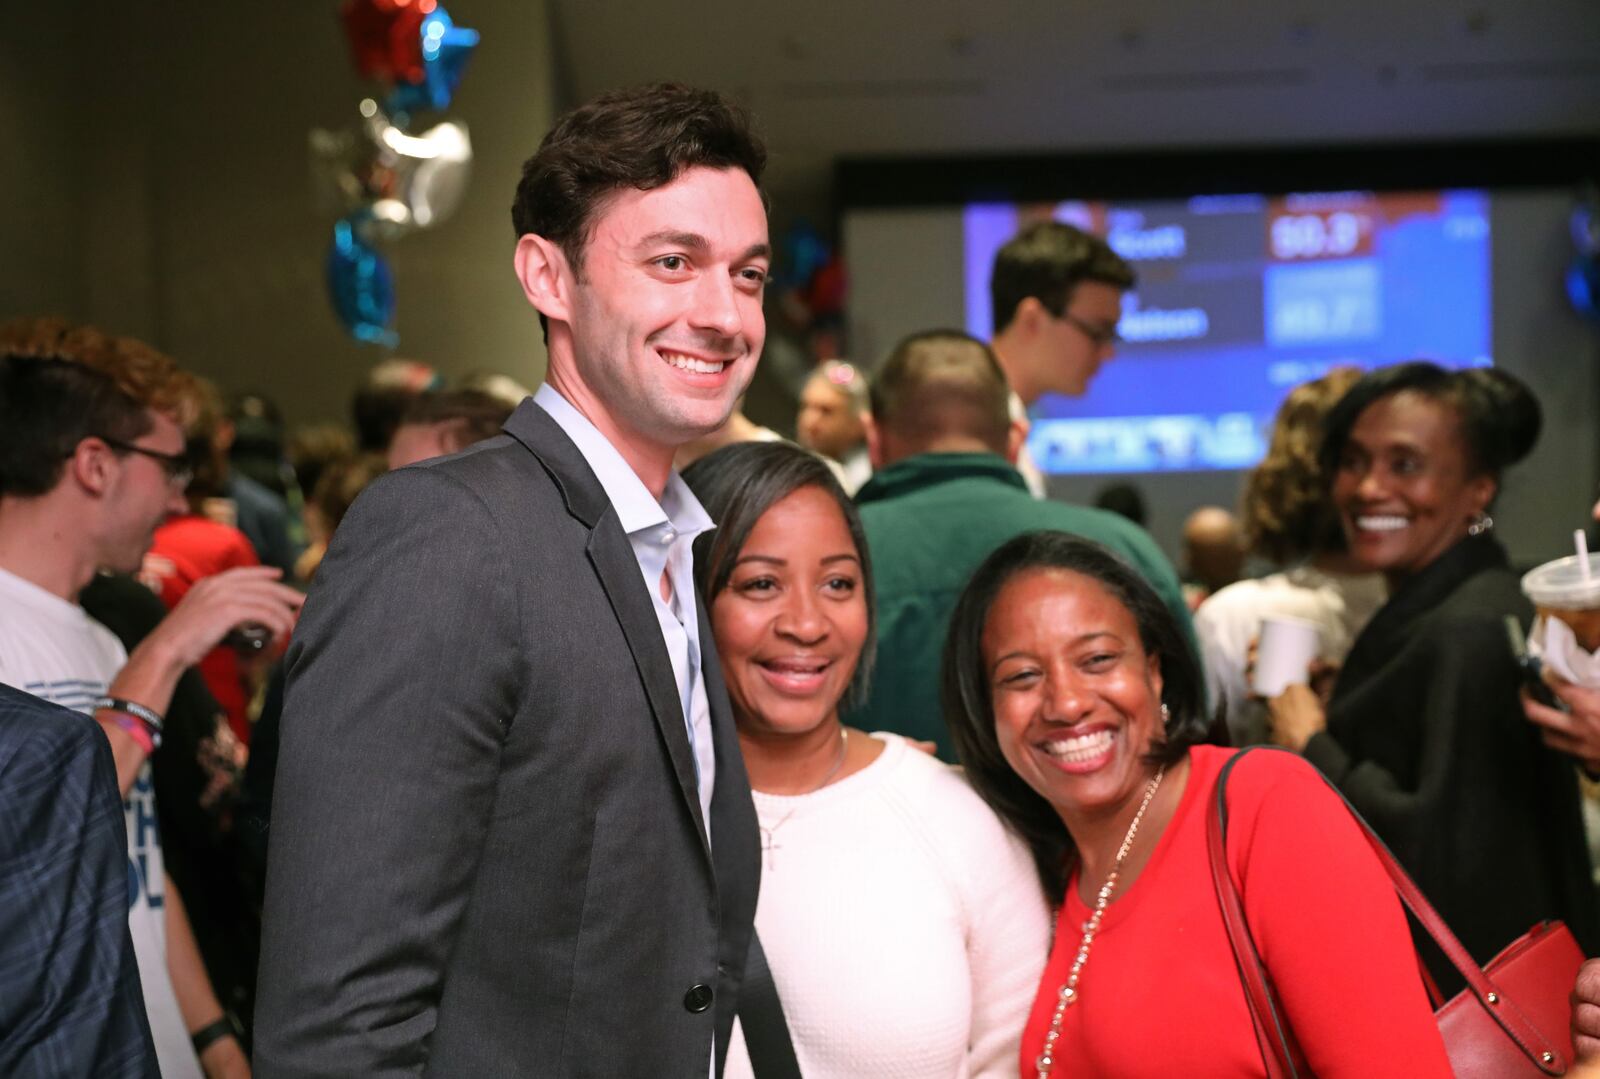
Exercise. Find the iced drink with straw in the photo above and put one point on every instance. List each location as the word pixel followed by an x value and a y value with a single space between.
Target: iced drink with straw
pixel 1568 591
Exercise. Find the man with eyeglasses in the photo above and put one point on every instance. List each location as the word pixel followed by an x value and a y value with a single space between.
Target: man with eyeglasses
pixel 92 459
pixel 1057 297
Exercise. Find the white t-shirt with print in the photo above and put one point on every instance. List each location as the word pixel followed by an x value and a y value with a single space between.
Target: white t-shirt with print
pixel 52 649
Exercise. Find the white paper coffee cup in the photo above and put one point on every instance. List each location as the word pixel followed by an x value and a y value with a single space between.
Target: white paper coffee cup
pixel 1284 653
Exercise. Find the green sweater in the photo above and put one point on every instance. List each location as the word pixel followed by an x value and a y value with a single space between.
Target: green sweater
pixel 930 521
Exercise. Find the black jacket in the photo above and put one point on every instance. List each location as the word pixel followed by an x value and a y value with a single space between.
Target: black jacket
pixel 1426 736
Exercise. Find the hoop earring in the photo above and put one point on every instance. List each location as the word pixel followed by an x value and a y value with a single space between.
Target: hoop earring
pixel 1480 524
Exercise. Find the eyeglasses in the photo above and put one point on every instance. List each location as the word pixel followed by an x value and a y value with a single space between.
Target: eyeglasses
pixel 176 465
pixel 1099 336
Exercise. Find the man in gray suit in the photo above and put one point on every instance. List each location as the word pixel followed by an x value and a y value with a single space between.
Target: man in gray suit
pixel 512 833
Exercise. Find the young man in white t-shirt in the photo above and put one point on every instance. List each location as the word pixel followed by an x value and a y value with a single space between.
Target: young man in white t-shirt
pixel 92 459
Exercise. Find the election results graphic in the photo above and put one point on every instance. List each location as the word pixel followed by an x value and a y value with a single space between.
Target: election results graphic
pixel 1239 299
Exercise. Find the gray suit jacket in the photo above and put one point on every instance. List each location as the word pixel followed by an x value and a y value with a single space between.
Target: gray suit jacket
pixel 487 855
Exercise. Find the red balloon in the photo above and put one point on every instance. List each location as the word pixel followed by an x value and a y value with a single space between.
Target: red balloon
pixel 825 292
pixel 385 37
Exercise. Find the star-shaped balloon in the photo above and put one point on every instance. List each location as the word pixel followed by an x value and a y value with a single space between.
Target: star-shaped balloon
pixel 445 49
pixel 385 37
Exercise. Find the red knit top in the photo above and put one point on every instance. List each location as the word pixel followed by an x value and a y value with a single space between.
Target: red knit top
pixel 1160 994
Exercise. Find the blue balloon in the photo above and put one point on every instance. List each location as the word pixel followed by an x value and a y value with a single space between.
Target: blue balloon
pixel 1583 286
pixel 360 286
pixel 446 48
pixel 1586 227
pixel 808 253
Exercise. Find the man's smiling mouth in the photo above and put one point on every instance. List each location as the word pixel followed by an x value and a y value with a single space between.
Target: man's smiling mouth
pixel 684 362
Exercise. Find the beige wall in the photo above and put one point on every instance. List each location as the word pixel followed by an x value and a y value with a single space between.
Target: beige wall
pixel 157 183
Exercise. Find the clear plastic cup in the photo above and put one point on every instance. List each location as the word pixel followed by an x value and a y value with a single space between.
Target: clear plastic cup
pixel 1558 590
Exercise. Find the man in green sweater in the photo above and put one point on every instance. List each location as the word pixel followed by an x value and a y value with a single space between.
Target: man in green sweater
pixel 944 495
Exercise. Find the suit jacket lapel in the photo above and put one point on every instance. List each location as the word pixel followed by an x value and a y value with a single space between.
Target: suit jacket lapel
pixel 618 570
pixel 733 813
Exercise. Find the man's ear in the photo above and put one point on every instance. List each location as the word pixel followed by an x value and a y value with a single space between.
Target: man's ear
pixel 1030 315
pixel 546 277
pixel 869 428
pixel 1016 438
pixel 92 466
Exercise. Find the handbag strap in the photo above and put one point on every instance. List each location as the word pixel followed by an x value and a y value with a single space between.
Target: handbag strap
pixel 766 1032
pixel 1270 1035
pixel 1263 1006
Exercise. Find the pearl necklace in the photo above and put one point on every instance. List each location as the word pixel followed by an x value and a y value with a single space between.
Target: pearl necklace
pixel 1069 989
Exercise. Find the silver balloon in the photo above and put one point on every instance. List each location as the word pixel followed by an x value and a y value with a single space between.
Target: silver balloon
pixel 404 181
pixel 440 165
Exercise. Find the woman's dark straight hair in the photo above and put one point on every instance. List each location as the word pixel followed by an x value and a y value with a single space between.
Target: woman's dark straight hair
pixel 1499 417
pixel 737 485
pixel 969 707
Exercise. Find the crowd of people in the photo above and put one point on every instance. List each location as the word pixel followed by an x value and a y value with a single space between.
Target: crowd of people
pixel 599 730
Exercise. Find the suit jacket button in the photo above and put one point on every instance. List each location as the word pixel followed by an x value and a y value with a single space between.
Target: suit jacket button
pixel 698 998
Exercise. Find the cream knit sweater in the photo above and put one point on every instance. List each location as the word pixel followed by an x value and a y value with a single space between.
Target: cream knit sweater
pixel 904 925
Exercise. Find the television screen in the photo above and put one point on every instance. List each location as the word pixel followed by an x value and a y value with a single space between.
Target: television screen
pixel 1239 299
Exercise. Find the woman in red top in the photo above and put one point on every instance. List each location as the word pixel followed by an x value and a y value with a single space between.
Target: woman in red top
pixel 1077 710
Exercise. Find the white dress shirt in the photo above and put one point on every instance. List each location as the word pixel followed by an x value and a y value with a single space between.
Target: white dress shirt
pixel 662 536
pixel 1025 463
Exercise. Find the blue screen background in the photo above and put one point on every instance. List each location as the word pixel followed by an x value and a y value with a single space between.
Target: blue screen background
pixel 1222 325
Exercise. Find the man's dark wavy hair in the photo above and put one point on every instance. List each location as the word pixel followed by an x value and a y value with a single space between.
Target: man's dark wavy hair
pixel 642 138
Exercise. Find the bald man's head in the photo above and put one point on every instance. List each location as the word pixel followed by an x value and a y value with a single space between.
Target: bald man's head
pixel 940 391
pixel 1213 547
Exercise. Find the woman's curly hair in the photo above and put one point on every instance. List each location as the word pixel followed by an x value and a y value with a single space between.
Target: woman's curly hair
pixel 1285 509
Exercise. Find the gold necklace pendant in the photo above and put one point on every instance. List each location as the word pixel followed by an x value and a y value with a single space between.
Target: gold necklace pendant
pixel 1068 994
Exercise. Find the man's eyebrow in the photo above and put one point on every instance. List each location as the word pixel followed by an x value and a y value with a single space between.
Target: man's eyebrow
pixel 693 241
pixel 675 238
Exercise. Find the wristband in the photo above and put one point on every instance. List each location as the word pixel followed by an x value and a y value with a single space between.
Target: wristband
pixel 211 1033
pixel 148 716
pixel 141 735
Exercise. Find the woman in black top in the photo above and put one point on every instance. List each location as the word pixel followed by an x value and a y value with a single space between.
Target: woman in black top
pixel 1424 731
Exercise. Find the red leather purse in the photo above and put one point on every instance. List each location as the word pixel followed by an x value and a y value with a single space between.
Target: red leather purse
pixel 1512 1020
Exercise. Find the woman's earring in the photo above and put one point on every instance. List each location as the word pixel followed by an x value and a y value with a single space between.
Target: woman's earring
pixel 1166 713
pixel 1480 524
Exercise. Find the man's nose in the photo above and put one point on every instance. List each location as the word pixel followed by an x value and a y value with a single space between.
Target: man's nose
pixel 717 306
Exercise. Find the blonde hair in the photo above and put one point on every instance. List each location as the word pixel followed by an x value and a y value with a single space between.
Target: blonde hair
pixel 1285 509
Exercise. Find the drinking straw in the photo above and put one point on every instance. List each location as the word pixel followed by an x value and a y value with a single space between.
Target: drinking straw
pixel 1581 541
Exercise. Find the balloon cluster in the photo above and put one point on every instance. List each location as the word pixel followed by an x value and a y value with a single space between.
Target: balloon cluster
pixel 1583 278
pixel 812 286
pixel 382 178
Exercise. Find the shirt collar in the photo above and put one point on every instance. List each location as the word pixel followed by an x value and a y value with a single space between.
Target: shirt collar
pixel 930 469
pixel 637 509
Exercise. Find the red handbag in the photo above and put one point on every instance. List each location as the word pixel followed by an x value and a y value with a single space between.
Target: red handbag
pixel 1512 1020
